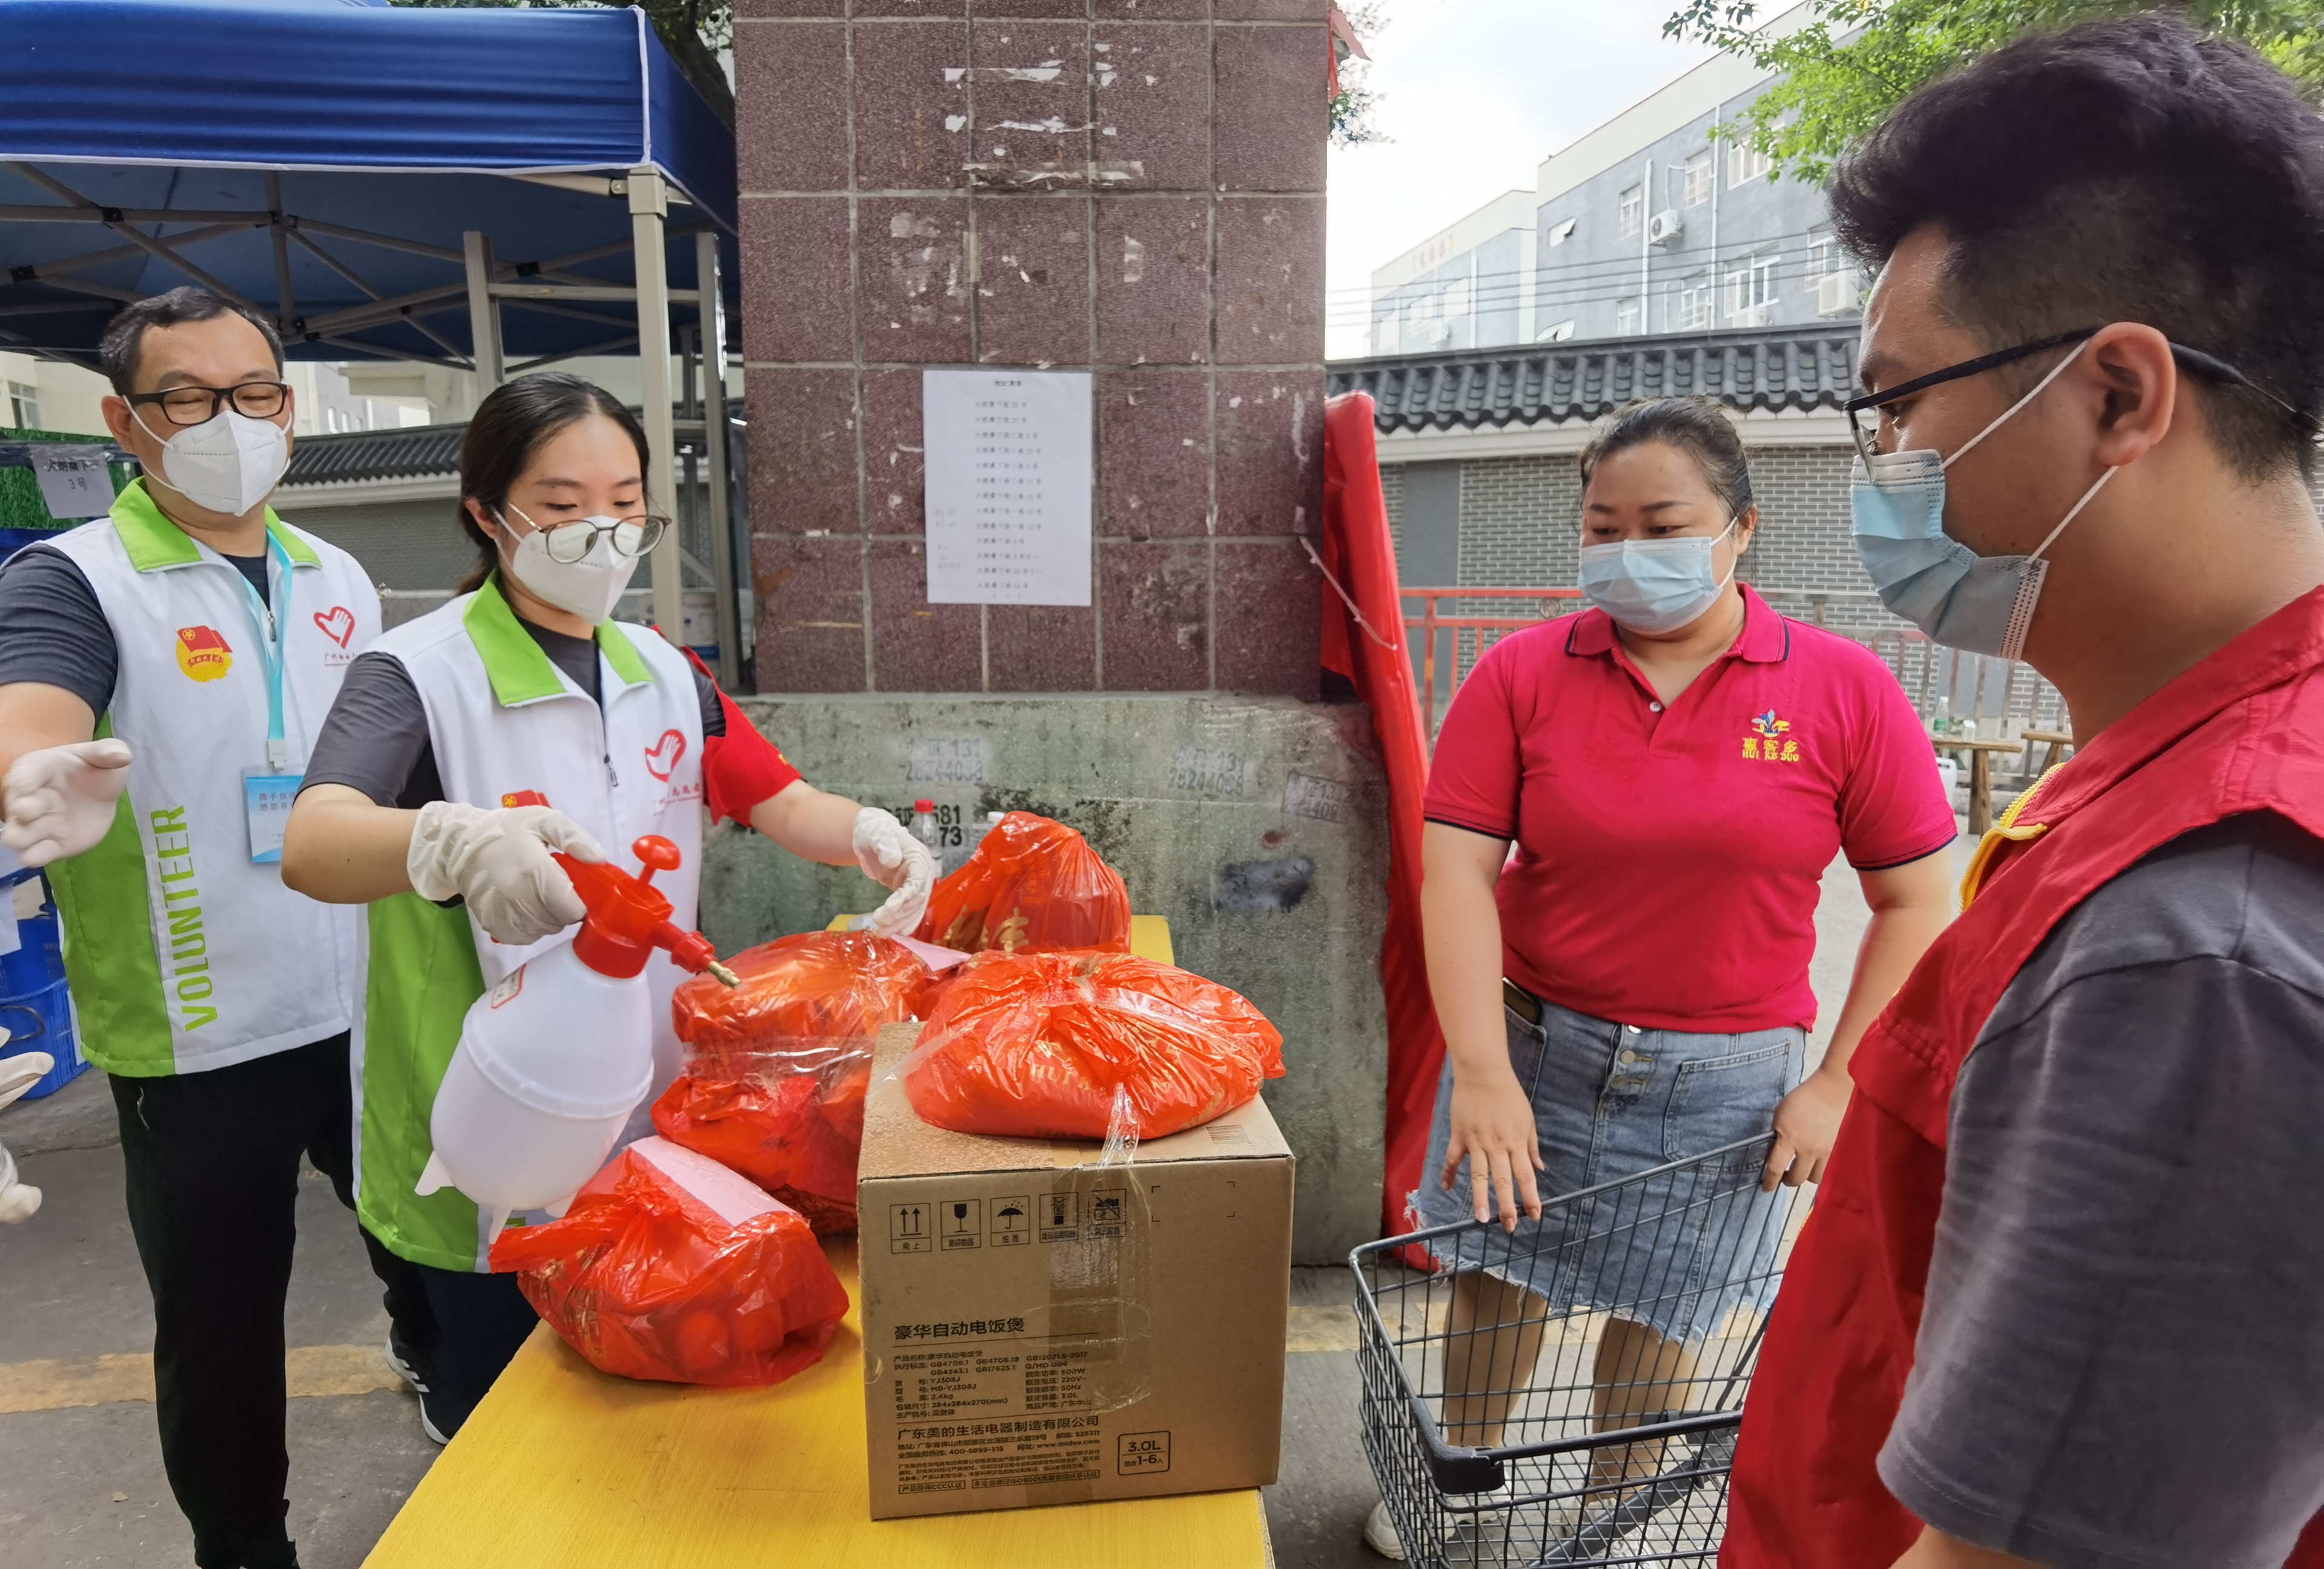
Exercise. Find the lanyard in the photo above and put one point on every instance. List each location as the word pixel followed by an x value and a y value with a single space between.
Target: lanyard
pixel 272 631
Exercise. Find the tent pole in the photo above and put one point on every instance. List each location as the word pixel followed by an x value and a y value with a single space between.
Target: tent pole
pixel 285 309
pixel 711 342
pixel 649 206
pixel 483 312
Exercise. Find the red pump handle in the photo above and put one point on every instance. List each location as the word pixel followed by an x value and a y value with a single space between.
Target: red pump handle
pixel 629 917
pixel 657 855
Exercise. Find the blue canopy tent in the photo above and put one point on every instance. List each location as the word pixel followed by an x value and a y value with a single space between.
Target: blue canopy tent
pixel 492 189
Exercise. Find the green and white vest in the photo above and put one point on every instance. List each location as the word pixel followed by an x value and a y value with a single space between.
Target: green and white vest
pixel 509 728
pixel 183 954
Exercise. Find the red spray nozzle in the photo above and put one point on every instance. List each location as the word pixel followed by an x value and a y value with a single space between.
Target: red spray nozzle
pixel 629 917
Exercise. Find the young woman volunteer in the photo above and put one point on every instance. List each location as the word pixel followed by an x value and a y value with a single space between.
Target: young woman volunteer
pixel 1676 765
pixel 467 745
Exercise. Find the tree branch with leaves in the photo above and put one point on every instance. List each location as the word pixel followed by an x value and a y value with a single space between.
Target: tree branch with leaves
pixel 1355 106
pixel 1854 60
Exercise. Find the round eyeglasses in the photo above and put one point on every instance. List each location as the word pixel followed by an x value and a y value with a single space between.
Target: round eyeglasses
pixel 567 543
pixel 200 405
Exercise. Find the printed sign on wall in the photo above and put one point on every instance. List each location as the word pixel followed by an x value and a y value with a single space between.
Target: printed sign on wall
pixel 74 481
pixel 1008 485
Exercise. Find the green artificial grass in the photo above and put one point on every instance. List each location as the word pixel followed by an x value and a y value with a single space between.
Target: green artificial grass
pixel 21 506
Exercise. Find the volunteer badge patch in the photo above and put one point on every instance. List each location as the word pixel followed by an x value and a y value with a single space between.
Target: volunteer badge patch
pixel 337 623
pixel 1770 740
pixel 662 756
pixel 202 654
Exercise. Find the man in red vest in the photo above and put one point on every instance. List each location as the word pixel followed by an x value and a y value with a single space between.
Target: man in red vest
pixel 2061 1301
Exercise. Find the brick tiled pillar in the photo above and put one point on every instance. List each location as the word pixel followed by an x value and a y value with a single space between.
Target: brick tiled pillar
pixel 1132 187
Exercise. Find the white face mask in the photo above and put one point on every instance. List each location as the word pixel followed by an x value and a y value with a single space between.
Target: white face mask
pixel 590 589
pixel 229 463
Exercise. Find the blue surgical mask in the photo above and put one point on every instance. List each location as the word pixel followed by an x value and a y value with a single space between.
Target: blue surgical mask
pixel 1980 604
pixel 1655 586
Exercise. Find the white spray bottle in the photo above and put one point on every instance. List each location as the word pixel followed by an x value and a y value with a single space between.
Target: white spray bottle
pixel 552 1060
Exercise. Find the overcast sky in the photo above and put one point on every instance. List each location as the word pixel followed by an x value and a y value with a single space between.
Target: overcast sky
pixel 1476 93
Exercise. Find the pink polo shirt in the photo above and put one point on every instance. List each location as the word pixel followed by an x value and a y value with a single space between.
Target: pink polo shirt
pixel 1668 861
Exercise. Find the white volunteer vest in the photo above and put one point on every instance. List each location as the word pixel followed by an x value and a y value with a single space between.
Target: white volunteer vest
pixel 502 735
pixel 184 954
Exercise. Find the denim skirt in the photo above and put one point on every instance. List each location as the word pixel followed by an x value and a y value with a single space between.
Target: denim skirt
pixel 1610 1101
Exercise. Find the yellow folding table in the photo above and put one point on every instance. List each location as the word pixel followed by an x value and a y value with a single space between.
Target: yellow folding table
pixel 564 1466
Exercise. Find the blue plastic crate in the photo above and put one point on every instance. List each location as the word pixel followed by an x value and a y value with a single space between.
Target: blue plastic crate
pixel 42 1021
pixel 39 960
pixel 35 1005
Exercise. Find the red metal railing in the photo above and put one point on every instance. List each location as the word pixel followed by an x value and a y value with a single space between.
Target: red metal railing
pixel 1428 623
pixel 1927 675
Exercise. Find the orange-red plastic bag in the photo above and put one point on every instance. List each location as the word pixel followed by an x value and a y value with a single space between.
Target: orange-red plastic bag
pixel 1032 884
pixel 668 1266
pixel 777 1067
pixel 1041 1044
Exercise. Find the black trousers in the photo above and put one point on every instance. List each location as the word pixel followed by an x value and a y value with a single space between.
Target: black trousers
pixel 481 1322
pixel 212 1161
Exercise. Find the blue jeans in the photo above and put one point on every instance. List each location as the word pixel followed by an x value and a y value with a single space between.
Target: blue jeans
pixel 1610 1101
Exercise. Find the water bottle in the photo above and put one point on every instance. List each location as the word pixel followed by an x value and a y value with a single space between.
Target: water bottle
pixel 924 828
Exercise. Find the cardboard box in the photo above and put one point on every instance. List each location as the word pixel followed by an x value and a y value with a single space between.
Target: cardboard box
pixel 1039 1329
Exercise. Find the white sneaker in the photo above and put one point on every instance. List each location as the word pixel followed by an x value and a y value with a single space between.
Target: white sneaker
pixel 1379 1533
pixel 400 1362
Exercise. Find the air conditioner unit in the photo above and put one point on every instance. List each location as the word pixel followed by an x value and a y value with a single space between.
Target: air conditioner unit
pixel 1753 314
pixel 1836 292
pixel 1664 228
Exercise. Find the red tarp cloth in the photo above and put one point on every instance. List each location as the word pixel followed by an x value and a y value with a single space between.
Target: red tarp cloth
pixel 1358 553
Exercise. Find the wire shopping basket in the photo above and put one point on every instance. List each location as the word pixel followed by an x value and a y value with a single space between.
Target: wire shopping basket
pixel 1570 1394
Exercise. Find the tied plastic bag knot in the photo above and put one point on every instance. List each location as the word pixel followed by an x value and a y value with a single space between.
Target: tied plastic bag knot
pixel 668 1267
pixel 1120 1130
pixel 1032 884
pixel 1072 1046
pixel 776 1069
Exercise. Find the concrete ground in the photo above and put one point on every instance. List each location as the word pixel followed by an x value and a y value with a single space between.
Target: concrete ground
pixel 82 1484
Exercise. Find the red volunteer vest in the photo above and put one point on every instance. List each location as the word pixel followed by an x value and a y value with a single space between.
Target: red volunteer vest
pixel 2241 732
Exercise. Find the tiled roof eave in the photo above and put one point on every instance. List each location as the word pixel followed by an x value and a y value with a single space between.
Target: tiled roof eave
pixel 1770 370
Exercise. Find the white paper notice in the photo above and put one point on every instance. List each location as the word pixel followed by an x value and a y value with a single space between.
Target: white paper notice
pixel 1008 487
pixel 73 480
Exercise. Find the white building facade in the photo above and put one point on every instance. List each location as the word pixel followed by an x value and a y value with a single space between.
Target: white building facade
pixel 1651 223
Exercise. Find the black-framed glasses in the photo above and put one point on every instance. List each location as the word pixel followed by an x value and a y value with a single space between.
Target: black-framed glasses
pixel 1863 412
pixel 570 542
pixel 200 405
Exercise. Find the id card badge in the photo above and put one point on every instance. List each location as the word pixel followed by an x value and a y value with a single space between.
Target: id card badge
pixel 267 801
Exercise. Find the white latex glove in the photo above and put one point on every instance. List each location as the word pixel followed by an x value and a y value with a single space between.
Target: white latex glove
pixel 498 861
pixel 18 1200
pixel 59 801
pixel 892 858
pixel 18 1074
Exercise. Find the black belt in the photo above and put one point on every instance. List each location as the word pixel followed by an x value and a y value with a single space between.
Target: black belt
pixel 1521 1002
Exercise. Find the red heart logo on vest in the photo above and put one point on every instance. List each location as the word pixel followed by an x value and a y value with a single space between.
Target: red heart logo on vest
pixel 662 756
pixel 339 624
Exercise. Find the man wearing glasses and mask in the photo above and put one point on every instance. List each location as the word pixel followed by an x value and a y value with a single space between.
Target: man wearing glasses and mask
pixel 163 674
pixel 2062 1298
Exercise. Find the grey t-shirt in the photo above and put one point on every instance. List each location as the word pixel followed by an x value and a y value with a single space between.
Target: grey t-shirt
pixel 2121 1358
pixel 375 738
pixel 53 631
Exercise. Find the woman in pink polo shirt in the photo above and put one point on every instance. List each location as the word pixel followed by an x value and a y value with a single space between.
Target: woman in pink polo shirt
pixel 1677 766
